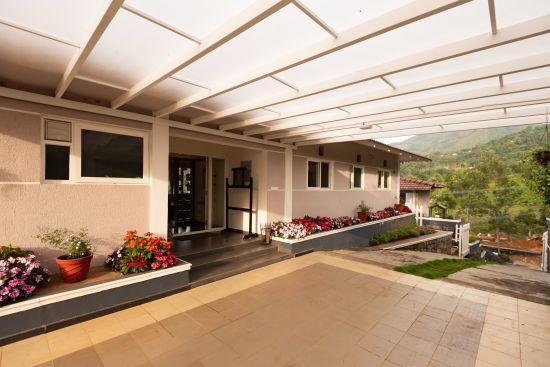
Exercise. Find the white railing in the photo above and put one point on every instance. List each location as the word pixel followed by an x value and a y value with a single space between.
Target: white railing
pixel 545 252
pixel 464 239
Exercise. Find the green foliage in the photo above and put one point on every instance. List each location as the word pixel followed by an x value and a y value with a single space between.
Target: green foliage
pixel 363 208
pixel 490 185
pixel 399 233
pixel 11 251
pixel 439 268
pixel 75 245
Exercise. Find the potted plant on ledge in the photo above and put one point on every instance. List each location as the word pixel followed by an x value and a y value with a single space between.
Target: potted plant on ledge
pixel 362 210
pixel 74 264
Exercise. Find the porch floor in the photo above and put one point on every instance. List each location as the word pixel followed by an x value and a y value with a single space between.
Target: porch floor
pixel 315 310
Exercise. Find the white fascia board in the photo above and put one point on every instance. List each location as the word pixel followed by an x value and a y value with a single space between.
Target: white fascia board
pixel 394 19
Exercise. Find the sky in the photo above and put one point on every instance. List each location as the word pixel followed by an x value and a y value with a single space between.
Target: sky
pixel 395 139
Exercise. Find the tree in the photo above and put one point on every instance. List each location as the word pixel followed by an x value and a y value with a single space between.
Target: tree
pixel 486 189
pixel 537 177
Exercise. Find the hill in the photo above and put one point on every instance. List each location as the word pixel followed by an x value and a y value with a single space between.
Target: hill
pixel 454 141
pixel 510 148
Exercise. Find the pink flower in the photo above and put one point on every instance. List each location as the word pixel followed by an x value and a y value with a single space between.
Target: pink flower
pixel 4 291
pixel 14 293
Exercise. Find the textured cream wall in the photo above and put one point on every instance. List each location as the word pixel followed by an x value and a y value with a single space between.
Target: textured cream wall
pixel 19 147
pixel 107 210
pixel 275 205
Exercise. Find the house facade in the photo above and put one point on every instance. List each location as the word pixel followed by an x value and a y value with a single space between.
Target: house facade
pixel 416 193
pixel 66 166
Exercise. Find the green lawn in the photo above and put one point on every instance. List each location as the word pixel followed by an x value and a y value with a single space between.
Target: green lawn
pixel 439 268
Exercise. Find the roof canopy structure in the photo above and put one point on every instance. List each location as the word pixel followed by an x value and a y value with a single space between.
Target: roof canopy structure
pixel 299 72
pixel 409 184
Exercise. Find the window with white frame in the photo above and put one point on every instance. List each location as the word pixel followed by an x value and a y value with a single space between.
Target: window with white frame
pixel 384 179
pixel 88 153
pixel 318 174
pixel 356 181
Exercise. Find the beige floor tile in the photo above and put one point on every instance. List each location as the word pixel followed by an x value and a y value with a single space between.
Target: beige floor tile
pixel 183 328
pixel 28 352
pixel 134 318
pixel 387 332
pixel 502 321
pixel 438 313
pixel 506 346
pixel 120 351
pixel 535 356
pixel 420 346
pixel 269 356
pixel 376 345
pixel 154 340
pixel 425 332
pixel 454 357
pixel 460 341
pixel 160 309
pixel 497 358
pixel 207 317
pixel 359 357
pixel 103 328
pixel 407 357
pixel 501 332
pixel 86 357
pixel 534 342
pixel 68 340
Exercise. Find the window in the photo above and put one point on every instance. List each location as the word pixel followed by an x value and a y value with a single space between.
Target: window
pixel 384 179
pixel 57 162
pixel 357 177
pixel 318 174
pixel 106 154
pixel 57 149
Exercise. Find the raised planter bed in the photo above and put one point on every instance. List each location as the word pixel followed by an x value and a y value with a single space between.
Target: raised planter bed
pixel 49 312
pixel 353 236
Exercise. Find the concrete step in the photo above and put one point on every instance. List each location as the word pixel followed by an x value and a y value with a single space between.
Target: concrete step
pixel 229 254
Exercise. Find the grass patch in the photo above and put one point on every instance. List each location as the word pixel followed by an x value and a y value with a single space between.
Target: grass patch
pixel 440 268
pixel 401 232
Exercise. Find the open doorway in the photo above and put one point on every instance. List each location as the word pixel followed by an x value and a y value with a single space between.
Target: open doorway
pixel 187 192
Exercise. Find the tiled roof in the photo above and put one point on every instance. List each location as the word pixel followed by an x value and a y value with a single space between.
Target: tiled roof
pixel 408 184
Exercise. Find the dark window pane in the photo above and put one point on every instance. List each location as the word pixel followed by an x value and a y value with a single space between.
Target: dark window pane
pixel 111 155
pixel 325 174
pixel 357 173
pixel 57 162
pixel 386 179
pixel 312 174
pixel 379 179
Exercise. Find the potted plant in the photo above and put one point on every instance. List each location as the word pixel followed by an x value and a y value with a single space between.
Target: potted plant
pixel 362 210
pixel 74 264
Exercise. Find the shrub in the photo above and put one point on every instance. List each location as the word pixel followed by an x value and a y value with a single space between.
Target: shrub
pixel 20 274
pixel 400 233
pixel 141 253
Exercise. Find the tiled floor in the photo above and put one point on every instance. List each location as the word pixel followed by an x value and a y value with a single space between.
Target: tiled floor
pixel 315 310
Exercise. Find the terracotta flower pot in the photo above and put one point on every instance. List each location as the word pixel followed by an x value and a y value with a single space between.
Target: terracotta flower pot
pixel 362 216
pixel 74 270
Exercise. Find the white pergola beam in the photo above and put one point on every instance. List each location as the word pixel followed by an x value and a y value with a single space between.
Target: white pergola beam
pixel 394 19
pixel 530 120
pixel 506 35
pixel 426 122
pixel 432 101
pixel 311 14
pixel 493 16
pixel 254 14
pixel 375 120
pixel 84 51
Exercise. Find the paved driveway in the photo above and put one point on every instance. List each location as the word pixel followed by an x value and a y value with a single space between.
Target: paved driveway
pixel 315 310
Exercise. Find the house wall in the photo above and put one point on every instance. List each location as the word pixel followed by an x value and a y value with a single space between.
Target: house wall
pixel 419 199
pixel 26 203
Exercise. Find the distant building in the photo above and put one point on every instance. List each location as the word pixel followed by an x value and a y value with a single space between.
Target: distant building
pixel 415 193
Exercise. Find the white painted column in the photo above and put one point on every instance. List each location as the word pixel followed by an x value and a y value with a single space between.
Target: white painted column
pixel 288 184
pixel 160 141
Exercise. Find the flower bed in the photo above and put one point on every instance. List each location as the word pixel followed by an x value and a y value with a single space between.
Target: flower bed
pixel 400 233
pixel 302 227
pixel 20 274
pixel 142 253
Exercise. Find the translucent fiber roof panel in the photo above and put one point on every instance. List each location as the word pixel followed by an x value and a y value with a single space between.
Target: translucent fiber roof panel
pixel 30 59
pixel 132 48
pixel 257 90
pixel 173 90
pixel 424 96
pixel 427 33
pixel 372 118
pixel 197 18
pixel 148 102
pixel 344 14
pixel 486 101
pixel 311 117
pixel 534 74
pixel 525 48
pixel 369 86
pixel 513 11
pixel 256 113
pixel 89 89
pixel 69 19
pixel 282 33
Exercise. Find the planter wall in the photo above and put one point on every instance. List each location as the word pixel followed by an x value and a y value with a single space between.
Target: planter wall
pixel 42 314
pixel 354 236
